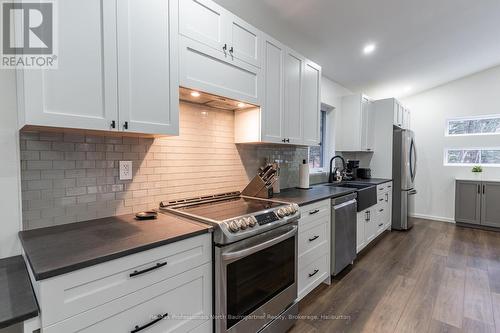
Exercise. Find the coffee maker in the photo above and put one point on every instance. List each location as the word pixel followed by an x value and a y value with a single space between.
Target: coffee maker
pixel 352 166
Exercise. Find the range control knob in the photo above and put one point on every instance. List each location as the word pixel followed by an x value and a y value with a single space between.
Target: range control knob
pixel 243 223
pixel 295 208
pixel 233 226
pixel 252 221
pixel 281 213
pixel 288 210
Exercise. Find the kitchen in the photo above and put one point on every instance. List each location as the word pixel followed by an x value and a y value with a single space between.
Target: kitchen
pixel 224 182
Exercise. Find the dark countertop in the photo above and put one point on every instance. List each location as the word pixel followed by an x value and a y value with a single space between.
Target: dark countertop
pixel 374 181
pixel 320 192
pixel 17 300
pixel 61 249
pixel 316 193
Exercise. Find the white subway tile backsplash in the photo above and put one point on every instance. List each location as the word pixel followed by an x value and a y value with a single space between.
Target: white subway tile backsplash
pixel 73 177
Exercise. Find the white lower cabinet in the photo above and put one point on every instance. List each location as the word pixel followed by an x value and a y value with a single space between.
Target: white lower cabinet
pixel 313 246
pixel 118 295
pixel 168 306
pixel 374 220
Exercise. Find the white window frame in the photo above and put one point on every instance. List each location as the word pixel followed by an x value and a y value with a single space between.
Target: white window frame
pixel 446 129
pixel 496 165
pixel 323 143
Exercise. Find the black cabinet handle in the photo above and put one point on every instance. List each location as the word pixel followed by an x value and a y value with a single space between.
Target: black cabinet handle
pixel 312 212
pixel 158 265
pixel 231 50
pixel 314 273
pixel 113 124
pixel 484 189
pixel 224 47
pixel 283 140
pixel 381 210
pixel 381 224
pixel 478 188
pixel 157 319
pixel 287 140
pixel 125 125
pixel 312 239
pixel 381 199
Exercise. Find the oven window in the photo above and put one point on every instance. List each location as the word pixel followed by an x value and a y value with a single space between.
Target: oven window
pixel 254 280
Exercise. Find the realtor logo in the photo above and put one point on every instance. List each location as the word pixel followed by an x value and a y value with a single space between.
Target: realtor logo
pixel 28 31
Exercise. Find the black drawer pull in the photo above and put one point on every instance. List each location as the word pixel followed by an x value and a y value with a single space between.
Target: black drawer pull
pixel 381 199
pixel 312 212
pixel 158 265
pixel 381 224
pixel 140 328
pixel 381 210
pixel 312 239
pixel 314 273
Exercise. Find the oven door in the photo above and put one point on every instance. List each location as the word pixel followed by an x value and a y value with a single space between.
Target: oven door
pixel 256 279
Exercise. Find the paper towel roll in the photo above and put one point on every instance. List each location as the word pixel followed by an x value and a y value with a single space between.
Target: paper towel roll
pixel 304 175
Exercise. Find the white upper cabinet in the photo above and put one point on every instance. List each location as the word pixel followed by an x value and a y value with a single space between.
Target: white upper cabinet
pixel 273 106
pixel 311 104
pixel 355 131
pixel 294 69
pixel 205 22
pixel 401 115
pixel 219 53
pixel 105 79
pixel 244 41
pixel 290 112
pixel 81 92
pixel 149 86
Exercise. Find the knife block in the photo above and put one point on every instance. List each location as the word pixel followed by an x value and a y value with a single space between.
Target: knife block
pixel 258 188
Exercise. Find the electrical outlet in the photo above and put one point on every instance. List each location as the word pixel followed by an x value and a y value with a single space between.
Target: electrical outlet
pixel 125 170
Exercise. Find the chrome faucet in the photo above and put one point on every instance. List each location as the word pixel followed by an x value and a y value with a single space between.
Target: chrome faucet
pixel 331 176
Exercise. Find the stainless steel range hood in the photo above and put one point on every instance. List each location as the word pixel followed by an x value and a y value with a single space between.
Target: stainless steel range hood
pixel 214 101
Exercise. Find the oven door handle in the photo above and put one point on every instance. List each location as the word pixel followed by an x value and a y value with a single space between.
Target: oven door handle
pixel 256 248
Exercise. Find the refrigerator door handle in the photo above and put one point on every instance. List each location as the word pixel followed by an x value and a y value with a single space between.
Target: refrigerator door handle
pixel 412 192
pixel 413 160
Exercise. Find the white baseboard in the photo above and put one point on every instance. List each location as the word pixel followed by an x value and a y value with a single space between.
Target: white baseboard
pixel 431 217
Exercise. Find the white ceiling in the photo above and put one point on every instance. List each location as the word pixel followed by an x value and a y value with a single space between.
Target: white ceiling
pixel 420 44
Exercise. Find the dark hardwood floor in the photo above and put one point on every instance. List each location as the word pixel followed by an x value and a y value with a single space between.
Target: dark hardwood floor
pixel 434 278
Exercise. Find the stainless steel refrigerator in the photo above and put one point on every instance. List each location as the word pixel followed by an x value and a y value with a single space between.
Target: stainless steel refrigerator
pixel 404 169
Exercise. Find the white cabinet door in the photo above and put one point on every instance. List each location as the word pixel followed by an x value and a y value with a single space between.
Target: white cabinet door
pixel 360 231
pixel 81 93
pixel 367 127
pixel 371 224
pixel 311 106
pixel 148 66
pixel 273 106
pixel 245 41
pixel 294 67
pixel 406 119
pixel 205 22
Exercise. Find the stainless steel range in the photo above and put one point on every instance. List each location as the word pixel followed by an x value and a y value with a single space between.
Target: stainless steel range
pixel 255 259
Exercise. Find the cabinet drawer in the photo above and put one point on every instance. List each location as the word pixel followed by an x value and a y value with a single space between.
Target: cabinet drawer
pixel 312 275
pixel 183 297
pixel 67 295
pixel 312 238
pixel 315 211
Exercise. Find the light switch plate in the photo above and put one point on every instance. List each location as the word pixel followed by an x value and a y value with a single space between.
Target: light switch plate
pixel 125 170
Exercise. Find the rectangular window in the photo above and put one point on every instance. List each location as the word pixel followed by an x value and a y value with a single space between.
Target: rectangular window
pixel 473 156
pixel 482 125
pixel 316 153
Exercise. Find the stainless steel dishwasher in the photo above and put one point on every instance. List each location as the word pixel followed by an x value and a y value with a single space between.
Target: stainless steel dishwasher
pixel 343 229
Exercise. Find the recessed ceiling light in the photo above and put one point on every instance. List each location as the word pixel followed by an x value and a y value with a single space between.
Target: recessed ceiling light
pixel 241 105
pixel 369 48
pixel 195 94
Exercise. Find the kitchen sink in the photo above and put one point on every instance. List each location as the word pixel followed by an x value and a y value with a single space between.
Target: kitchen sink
pixel 367 193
